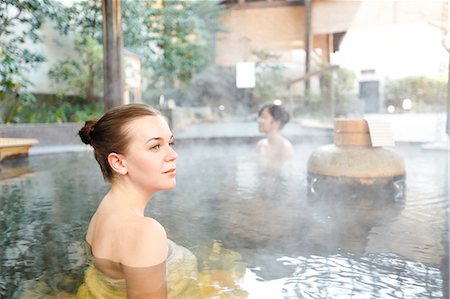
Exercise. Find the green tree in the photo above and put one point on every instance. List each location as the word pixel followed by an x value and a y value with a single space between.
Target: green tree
pixel 214 86
pixel 82 76
pixel 339 83
pixel 83 19
pixel 179 35
pixel 172 37
pixel 20 23
pixel 338 94
pixel 269 78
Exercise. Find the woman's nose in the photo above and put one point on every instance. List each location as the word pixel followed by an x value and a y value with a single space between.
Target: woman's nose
pixel 171 155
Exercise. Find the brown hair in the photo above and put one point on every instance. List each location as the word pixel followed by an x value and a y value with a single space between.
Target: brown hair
pixel 108 135
pixel 277 112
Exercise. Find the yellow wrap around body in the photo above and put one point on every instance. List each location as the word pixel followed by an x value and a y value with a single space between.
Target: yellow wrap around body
pixel 181 278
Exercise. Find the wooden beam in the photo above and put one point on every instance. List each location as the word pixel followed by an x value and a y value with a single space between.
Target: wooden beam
pixel 312 74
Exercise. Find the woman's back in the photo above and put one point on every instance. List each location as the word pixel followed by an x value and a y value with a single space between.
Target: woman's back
pixel 127 239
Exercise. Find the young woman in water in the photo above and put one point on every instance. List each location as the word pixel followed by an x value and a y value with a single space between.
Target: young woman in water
pixel 271 119
pixel 133 146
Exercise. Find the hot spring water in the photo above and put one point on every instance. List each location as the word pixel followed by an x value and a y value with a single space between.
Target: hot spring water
pixel 255 234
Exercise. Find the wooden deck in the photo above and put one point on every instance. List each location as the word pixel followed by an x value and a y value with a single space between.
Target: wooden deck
pixel 15 147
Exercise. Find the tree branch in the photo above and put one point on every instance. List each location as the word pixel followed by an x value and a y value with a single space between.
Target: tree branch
pixel 6 22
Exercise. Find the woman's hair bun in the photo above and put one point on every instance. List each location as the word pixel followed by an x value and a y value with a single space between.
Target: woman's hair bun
pixel 86 131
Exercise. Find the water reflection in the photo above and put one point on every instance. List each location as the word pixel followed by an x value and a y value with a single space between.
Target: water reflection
pixel 14 168
pixel 42 217
pixel 346 220
pixel 349 276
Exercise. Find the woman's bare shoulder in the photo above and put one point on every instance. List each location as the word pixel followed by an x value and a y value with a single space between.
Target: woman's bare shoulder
pixel 288 149
pixel 262 142
pixel 143 222
pixel 144 243
pixel 287 143
pixel 262 145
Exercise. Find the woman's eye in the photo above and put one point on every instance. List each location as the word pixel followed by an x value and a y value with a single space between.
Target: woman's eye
pixel 171 143
pixel 155 147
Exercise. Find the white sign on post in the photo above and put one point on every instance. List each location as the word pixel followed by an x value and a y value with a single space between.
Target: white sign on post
pixel 245 75
pixel 380 132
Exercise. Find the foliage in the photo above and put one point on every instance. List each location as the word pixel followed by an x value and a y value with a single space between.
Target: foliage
pixel 339 83
pixel 83 19
pixel 338 87
pixel 426 94
pixel 82 76
pixel 213 86
pixel 179 35
pixel 172 37
pixel 216 86
pixel 337 96
pixel 48 108
pixel 269 78
pixel 20 23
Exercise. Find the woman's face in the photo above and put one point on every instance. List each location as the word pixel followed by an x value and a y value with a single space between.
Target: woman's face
pixel 266 122
pixel 150 158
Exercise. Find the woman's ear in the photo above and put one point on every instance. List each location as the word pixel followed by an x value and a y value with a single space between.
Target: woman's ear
pixel 117 163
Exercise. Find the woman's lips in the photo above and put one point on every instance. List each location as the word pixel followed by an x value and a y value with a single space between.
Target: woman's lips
pixel 171 171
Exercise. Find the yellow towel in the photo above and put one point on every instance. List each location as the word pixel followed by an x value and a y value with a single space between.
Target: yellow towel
pixel 181 279
pixel 97 286
pixel 221 271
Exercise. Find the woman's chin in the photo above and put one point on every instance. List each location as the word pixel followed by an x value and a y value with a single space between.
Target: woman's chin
pixel 172 185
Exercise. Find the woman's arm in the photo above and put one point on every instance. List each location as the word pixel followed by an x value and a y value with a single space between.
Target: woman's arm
pixel 144 260
pixel 147 282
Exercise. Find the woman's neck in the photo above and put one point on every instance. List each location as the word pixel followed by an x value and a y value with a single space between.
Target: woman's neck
pixel 274 137
pixel 127 198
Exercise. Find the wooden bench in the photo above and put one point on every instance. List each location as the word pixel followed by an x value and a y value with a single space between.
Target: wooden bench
pixel 15 147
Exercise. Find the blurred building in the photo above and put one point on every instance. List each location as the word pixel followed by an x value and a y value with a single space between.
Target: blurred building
pixel 285 28
pixel 394 39
pixel 375 39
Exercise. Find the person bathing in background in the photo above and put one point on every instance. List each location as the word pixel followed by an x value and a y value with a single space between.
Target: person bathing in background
pixel 271 119
pixel 133 146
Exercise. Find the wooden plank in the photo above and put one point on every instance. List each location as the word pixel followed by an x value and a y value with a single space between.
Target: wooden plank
pixel 15 147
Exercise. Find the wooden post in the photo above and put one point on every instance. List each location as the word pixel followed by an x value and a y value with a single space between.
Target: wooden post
pixel 308 13
pixel 112 53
